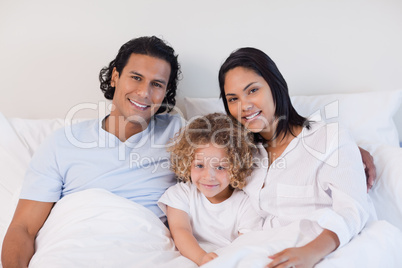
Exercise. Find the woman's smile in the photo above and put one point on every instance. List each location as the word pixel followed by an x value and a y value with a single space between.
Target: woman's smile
pixel 252 116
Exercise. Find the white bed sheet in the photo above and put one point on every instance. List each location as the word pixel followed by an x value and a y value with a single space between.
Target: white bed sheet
pixel 95 228
pixel 376 246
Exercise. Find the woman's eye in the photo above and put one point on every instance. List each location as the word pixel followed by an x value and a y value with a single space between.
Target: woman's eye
pixel 253 90
pixel 220 168
pixel 232 99
pixel 199 166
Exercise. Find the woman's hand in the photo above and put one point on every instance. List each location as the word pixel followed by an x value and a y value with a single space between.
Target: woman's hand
pixel 207 257
pixel 369 167
pixel 294 257
pixel 306 256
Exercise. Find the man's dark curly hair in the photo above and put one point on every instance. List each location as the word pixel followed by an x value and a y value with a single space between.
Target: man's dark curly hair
pixel 150 46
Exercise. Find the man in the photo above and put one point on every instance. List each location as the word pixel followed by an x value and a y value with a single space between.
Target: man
pixel 141 82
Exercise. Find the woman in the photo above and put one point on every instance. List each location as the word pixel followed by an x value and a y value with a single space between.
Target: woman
pixel 313 173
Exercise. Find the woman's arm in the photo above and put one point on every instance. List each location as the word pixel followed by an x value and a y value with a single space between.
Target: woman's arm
pixel 308 255
pixel 180 228
pixel 340 176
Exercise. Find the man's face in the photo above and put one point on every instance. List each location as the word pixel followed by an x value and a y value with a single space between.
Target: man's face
pixel 140 88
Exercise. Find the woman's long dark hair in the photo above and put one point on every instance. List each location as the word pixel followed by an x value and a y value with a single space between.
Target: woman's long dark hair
pixel 259 62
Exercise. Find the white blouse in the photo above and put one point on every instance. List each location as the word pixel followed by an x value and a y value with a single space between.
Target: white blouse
pixel 319 177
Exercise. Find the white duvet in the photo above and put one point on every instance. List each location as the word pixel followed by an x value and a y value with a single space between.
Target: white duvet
pixel 95 228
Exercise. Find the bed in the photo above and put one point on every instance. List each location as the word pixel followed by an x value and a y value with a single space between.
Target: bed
pixel 96 228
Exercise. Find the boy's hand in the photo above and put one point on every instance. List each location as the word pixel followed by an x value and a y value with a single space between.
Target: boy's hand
pixel 208 257
pixel 293 257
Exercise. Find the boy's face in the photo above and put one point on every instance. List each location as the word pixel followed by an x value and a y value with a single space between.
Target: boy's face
pixel 140 88
pixel 210 173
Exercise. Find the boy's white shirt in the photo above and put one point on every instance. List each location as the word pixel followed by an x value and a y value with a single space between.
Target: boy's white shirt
pixel 214 225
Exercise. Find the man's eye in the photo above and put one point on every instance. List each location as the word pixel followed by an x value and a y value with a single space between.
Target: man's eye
pixel 157 85
pixel 136 78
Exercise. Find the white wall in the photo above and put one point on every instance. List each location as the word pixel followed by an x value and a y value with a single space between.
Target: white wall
pixel 51 51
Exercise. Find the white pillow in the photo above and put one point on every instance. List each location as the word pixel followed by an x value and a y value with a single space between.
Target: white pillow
pixel 32 132
pixel 369 115
pixel 387 190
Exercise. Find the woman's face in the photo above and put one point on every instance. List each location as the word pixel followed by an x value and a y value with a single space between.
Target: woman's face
pixel 250 100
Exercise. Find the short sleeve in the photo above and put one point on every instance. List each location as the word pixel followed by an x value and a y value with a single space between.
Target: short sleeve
pixel 248 218
pixel 43 181
pixel 176 196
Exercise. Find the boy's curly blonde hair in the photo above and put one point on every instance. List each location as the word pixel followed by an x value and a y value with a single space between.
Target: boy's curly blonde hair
pixel 222 132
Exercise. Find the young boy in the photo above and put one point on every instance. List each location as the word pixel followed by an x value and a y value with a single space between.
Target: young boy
pixel 212 157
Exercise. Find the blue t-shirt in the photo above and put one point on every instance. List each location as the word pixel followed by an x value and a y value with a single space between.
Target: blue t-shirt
pixel 84 156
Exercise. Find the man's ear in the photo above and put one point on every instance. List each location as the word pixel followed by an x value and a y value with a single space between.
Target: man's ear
pixel 115 77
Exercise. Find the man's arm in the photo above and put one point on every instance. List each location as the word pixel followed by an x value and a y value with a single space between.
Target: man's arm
pixel 369 167
pixel 19 242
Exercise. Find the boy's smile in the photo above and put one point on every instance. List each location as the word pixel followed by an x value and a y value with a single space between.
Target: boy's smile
pixel 209 172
